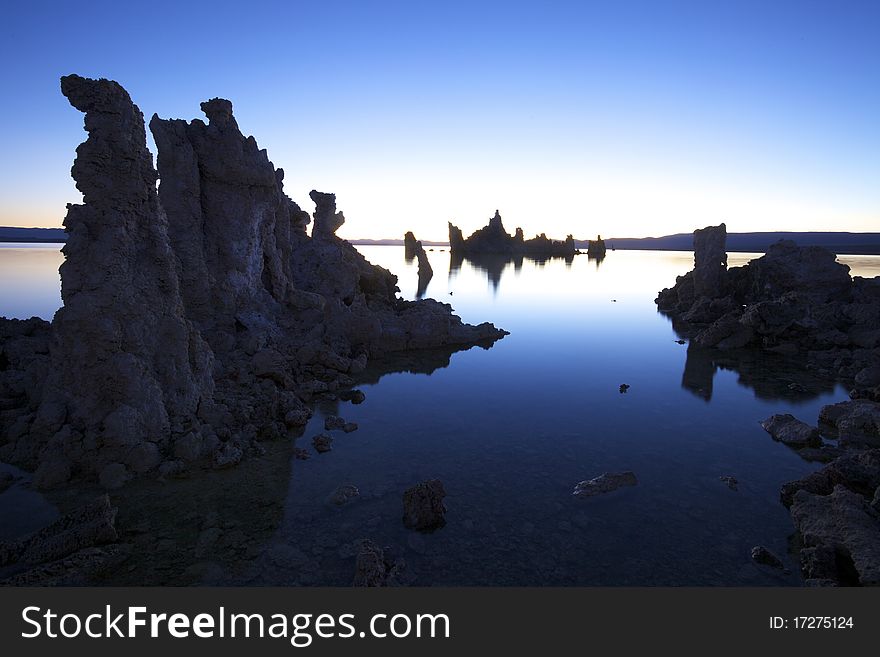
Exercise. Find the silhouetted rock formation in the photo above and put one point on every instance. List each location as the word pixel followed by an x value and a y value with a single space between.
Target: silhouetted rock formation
pixel 792 300
pixel 493 238
pixel 414 249
pixel 409 246
pixel 596 248
pixel 198 319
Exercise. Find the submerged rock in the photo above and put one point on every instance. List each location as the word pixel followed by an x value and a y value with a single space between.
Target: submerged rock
pixel 731 482
pixel 605 483
pixel 91 525
pixel 333 422
pixel 322 442
pixel 375 567
pixel 423 507
pixel 343 495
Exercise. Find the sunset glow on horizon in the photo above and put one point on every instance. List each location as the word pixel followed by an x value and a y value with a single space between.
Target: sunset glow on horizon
pixel 630 120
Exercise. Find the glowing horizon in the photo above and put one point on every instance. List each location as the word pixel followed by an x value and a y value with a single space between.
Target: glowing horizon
pixel 639 120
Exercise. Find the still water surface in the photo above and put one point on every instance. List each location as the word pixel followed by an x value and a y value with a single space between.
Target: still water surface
pixel 510 431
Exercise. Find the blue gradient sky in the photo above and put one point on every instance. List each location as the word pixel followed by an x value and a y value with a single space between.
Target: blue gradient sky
pixel 625 118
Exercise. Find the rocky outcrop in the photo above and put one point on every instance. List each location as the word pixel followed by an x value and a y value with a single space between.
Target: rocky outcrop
pixel 596 248
pixel 792 300
pixel 128 369
pixel 423 508
pixel 410 244
pixel 413 249
pixel 493 238
pixel 199 318
pixel 790 431
pixel 835 508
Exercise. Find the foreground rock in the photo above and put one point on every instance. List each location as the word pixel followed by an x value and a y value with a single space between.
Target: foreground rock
pixel 605 483
pixel 835 509
pixel 375 567
pixel 493 238
pixel 842 530
pixel 199 319
pixel 790 431
pixel 423 508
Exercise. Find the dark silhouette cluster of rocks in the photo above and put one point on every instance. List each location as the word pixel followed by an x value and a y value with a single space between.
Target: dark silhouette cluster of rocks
pixel 493 238
pixel 799 302
pixel 198 318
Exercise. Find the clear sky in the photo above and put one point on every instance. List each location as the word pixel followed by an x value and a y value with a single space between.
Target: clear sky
pixel 620 118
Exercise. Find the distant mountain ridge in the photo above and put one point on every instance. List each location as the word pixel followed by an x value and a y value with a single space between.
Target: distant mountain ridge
pixel 14 234
pixel 838 242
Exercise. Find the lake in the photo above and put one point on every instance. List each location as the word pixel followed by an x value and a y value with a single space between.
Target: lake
pixel 510 431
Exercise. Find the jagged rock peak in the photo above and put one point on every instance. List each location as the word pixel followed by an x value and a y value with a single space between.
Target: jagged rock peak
pixel 327 219
pixel 496 224
pixel 219 112
pixel 127 365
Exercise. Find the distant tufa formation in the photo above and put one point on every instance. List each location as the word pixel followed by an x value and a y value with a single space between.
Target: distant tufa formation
pixel 413 249
pixel 196 319
pixel 494 239
pixel 596 248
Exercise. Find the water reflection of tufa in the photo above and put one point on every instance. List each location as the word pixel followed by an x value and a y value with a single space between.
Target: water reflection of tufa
pixel 494 264
pixel 772 376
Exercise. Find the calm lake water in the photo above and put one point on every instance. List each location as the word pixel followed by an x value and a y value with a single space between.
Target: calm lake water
pixel 510 431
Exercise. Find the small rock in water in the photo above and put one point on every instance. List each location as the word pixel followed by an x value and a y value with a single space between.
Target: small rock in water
pixel 731 482
pixel 624 387
pixel 377 567
pixel 679 341
pixel 353 396
pixel 790 431
pixel 348 427
pixel 423 507
pixel 765 557
pixel 344 494
pixel 322 443
pixel 333 422
pixel 605 483
pixel 300 453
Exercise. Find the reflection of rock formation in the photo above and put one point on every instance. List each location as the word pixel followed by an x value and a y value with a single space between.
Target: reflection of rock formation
pixel 793 300
pixel 414 249
pixel 493 238
pixel 772 376
pixel 491 264
pixel 198 320
pixel 699 372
